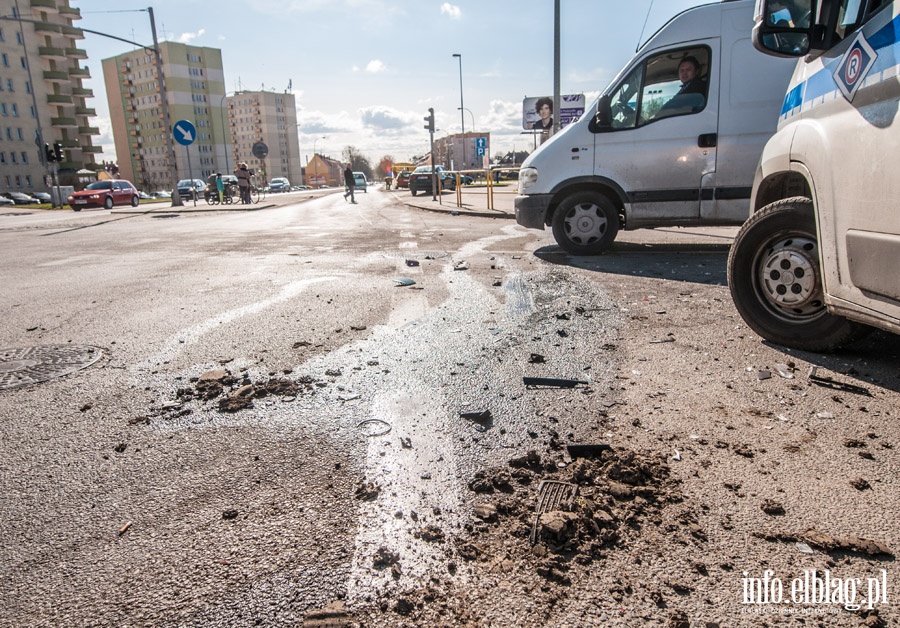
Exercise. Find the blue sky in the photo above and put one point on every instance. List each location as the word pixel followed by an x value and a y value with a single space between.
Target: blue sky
pixel 365 72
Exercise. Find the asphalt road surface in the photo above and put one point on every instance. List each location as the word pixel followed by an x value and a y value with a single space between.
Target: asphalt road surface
pixel 316 413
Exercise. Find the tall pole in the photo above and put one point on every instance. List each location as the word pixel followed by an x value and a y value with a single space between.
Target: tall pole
pixel 167 121
pixel 555 66
pixel 462 113
pixel 224 128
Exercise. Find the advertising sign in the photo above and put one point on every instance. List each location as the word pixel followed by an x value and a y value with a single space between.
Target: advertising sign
pixel 571 107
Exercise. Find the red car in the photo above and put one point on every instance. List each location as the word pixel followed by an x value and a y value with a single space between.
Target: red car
pixel 403 179
pixel 106 194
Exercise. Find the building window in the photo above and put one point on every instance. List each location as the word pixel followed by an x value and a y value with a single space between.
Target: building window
pixel 28 179
pixel 19 133
pixel 3 109
pixel 12 158
pixel 24 157
pixel 2 157
pixel 9 85
pixel 15 110
pixel 4 59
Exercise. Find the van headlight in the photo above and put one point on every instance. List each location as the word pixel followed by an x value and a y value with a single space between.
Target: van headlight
pixel 527 178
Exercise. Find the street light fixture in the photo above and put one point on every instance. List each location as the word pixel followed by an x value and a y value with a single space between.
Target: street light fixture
pixel 462 114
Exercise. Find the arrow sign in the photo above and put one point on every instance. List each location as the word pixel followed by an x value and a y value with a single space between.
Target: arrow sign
pixel 185 132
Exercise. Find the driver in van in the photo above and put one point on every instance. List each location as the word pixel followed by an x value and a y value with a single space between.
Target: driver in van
pixel 692 95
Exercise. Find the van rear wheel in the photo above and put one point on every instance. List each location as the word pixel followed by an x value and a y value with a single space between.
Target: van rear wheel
pixel 776 281
pixel 586 223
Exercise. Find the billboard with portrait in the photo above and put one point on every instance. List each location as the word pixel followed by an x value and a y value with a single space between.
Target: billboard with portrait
pixel 537 113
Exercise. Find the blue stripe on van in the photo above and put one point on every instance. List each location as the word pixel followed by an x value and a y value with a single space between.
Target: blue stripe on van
pixel 822 82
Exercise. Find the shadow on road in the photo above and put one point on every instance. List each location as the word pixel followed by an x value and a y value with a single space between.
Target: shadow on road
pixel 695 263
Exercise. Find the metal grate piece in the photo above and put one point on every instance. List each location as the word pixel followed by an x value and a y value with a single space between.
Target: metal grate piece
pixel 551 495
pixel 31 365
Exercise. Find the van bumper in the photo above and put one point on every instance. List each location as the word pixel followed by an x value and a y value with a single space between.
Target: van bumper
pixel 531 210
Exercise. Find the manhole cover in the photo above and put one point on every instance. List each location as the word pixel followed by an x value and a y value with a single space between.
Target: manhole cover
pixel 32 365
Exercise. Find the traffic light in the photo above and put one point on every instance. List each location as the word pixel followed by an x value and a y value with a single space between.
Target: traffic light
pixel 58 151
pixel 430 120
pixel 48 153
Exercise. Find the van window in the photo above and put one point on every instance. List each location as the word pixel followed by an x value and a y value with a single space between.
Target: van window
pixel 673 83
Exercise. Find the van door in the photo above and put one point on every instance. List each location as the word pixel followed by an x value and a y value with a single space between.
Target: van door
pixel 661 144
pixel 859 193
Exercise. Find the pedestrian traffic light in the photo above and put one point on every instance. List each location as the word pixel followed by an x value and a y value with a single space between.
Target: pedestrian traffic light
pixel 48 153
pixel 430 120
pixel 57 151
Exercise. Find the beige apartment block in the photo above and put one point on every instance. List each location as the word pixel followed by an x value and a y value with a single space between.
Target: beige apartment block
pixel 195 89
pixel 42 98
pixel 448 151
pixel 270 118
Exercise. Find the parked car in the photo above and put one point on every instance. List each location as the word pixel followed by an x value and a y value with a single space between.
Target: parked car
pixel 144 196
pixel 420 179
pixel 464 179
pixel 191 188
pixel 360 182
pixel 42 197
pixel 161 194
pixel 5 201
pixel 403 179
pixel 106 194
pixel 20 199
pixel 279 184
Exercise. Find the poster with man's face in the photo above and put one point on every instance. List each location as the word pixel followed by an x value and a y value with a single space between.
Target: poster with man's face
pixel 539 111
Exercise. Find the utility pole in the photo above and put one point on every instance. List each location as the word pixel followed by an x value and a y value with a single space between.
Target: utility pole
pixel 167 121
pixel 556 66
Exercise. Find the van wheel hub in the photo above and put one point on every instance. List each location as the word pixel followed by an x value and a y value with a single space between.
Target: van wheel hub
pixel 586 223
pixel 787 275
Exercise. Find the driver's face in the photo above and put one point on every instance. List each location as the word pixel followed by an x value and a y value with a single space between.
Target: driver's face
pixel 686 72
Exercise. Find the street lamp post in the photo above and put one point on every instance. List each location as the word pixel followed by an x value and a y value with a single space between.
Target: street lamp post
pixel 316 161
pixel 224 128
pixel 462 114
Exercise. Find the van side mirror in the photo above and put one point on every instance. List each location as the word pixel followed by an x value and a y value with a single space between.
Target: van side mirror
pixel 602 120
pixel 784 27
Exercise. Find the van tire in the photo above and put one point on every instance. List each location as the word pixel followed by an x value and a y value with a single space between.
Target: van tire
pixel 790 312
pixel 585 223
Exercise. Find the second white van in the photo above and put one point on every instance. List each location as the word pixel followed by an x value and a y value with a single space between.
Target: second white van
pixel 674 139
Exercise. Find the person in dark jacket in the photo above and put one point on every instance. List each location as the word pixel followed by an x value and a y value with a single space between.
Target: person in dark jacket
pixel 349 182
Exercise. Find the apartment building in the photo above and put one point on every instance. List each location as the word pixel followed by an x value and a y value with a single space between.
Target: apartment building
pixel 270 118
pixel 448 150
pixel 195 89
pixel 42 97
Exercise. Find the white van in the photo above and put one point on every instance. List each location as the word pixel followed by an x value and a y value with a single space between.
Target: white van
pixel 652 152
pixel 820 253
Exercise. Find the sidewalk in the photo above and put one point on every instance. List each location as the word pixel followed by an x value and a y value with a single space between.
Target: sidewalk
pixel 474 202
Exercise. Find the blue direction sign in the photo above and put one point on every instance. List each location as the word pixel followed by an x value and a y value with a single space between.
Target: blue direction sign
pixel 480 146
pixel 185 133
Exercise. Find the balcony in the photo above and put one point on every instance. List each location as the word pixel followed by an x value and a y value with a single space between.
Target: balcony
pixel 59 99
pixel 80 72
pixel 72 31
pixel 70 12
pixel 76 53
pixel 45 5
pixel 55 76
pixel 63 122
pixel 70 165
pixel 83 91
pixel 85 111
pixel 46 27
pixel 88 130
pixel 92 149
pixel 52 52
pixel 69 143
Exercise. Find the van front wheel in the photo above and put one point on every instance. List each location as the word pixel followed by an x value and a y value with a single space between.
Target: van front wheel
pixel 585 223
pixel 776 281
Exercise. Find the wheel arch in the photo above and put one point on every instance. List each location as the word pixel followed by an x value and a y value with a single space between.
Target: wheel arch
pixel 610 189
pixel 779 186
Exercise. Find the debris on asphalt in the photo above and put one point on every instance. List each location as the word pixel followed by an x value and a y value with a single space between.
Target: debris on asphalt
pixel 462 265
pixel 860 484
pixel 406 442
pixel 536 358
pixel 587 451
pixel 124 528
pixel 230 514
pixel 784 371
pixel 550 382
pixel 763 375
pixel 828 543
pixel 378 427
pixel 404 281
pixel 551 496
pixel 412 262
pixel 828 382
pixel 367 491
pixel 772 508
pixel 481 418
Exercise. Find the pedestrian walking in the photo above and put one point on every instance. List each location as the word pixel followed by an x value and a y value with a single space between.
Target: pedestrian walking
pixel 349 182
pixel 220 186
pixel 243 177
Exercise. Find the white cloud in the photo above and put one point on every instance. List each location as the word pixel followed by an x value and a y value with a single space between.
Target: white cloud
pixel 187 38
pixel 375 66
pixel 451 10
